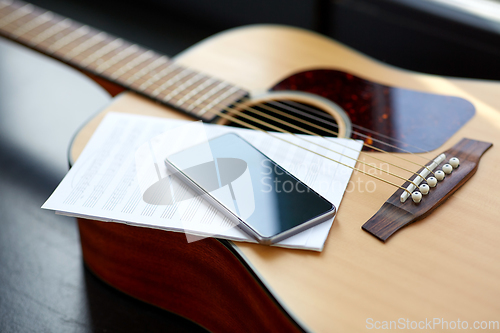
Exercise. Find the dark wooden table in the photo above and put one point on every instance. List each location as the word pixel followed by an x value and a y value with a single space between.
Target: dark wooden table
pixel 44 285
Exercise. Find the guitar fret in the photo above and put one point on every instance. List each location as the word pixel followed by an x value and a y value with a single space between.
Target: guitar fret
pixel 185 72
pixel 195 91
pixel 148 69
pixel 216 101
pixel 27 27
pixel 183 86
pixel 206 96
pixel 16 14
pixel 101 52
pixel 4 4
pixel 51 31
pixel 71 37
pixel 131 64
pixel 166 71
pixel 11 24
pixel 117 58
pixel 89 43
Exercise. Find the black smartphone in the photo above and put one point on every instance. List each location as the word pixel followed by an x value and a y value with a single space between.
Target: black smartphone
pixel 252 190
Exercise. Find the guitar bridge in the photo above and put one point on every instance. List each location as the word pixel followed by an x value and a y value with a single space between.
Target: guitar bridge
pixel 397 212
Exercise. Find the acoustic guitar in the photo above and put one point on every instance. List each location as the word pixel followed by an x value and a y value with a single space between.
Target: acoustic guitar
pixel 441 272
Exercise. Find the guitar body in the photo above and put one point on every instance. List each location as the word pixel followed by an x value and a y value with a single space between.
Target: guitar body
pixel 444 266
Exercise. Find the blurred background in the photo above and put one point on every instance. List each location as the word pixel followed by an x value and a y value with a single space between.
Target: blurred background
pixel 44 285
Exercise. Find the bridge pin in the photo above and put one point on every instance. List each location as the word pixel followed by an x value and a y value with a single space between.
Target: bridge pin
pixel 432 181
pixel 439 174
pixel 424 189
pixel 416 196
pixel 454 162
pixel 447 169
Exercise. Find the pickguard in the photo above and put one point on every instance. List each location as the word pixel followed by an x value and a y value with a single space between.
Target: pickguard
pixel 408 119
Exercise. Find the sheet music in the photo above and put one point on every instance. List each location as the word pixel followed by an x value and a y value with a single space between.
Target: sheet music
pixel 103 184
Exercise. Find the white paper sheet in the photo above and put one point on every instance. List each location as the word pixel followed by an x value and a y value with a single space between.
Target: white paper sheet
pixel 103 184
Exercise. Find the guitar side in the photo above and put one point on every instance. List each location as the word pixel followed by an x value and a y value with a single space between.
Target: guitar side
pixel 440 267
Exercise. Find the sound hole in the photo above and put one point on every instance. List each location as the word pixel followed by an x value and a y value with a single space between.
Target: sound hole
pixel 308 118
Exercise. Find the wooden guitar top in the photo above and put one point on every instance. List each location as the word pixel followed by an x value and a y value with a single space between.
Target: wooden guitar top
pixel 444 266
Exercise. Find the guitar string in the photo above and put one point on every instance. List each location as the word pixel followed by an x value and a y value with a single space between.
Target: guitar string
pixel 355 132
pixel 228 117
pixel 166 90
pixel 241 104
pixel 329 131
pixel 284 131
pixel 247 125
pixel 299 106
pixel 242 114
pixel 326 130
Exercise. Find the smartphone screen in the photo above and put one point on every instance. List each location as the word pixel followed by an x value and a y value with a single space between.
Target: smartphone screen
pixel 272 203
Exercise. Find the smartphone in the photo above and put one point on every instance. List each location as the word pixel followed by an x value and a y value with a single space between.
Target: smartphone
pixel 252 190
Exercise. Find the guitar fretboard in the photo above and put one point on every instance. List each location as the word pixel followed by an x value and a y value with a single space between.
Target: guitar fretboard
pixel 117 60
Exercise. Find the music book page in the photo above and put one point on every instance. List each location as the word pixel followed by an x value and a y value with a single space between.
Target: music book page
pixel 121 177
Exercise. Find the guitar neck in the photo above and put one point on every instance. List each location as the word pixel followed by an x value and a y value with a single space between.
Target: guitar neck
pixel 129 65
